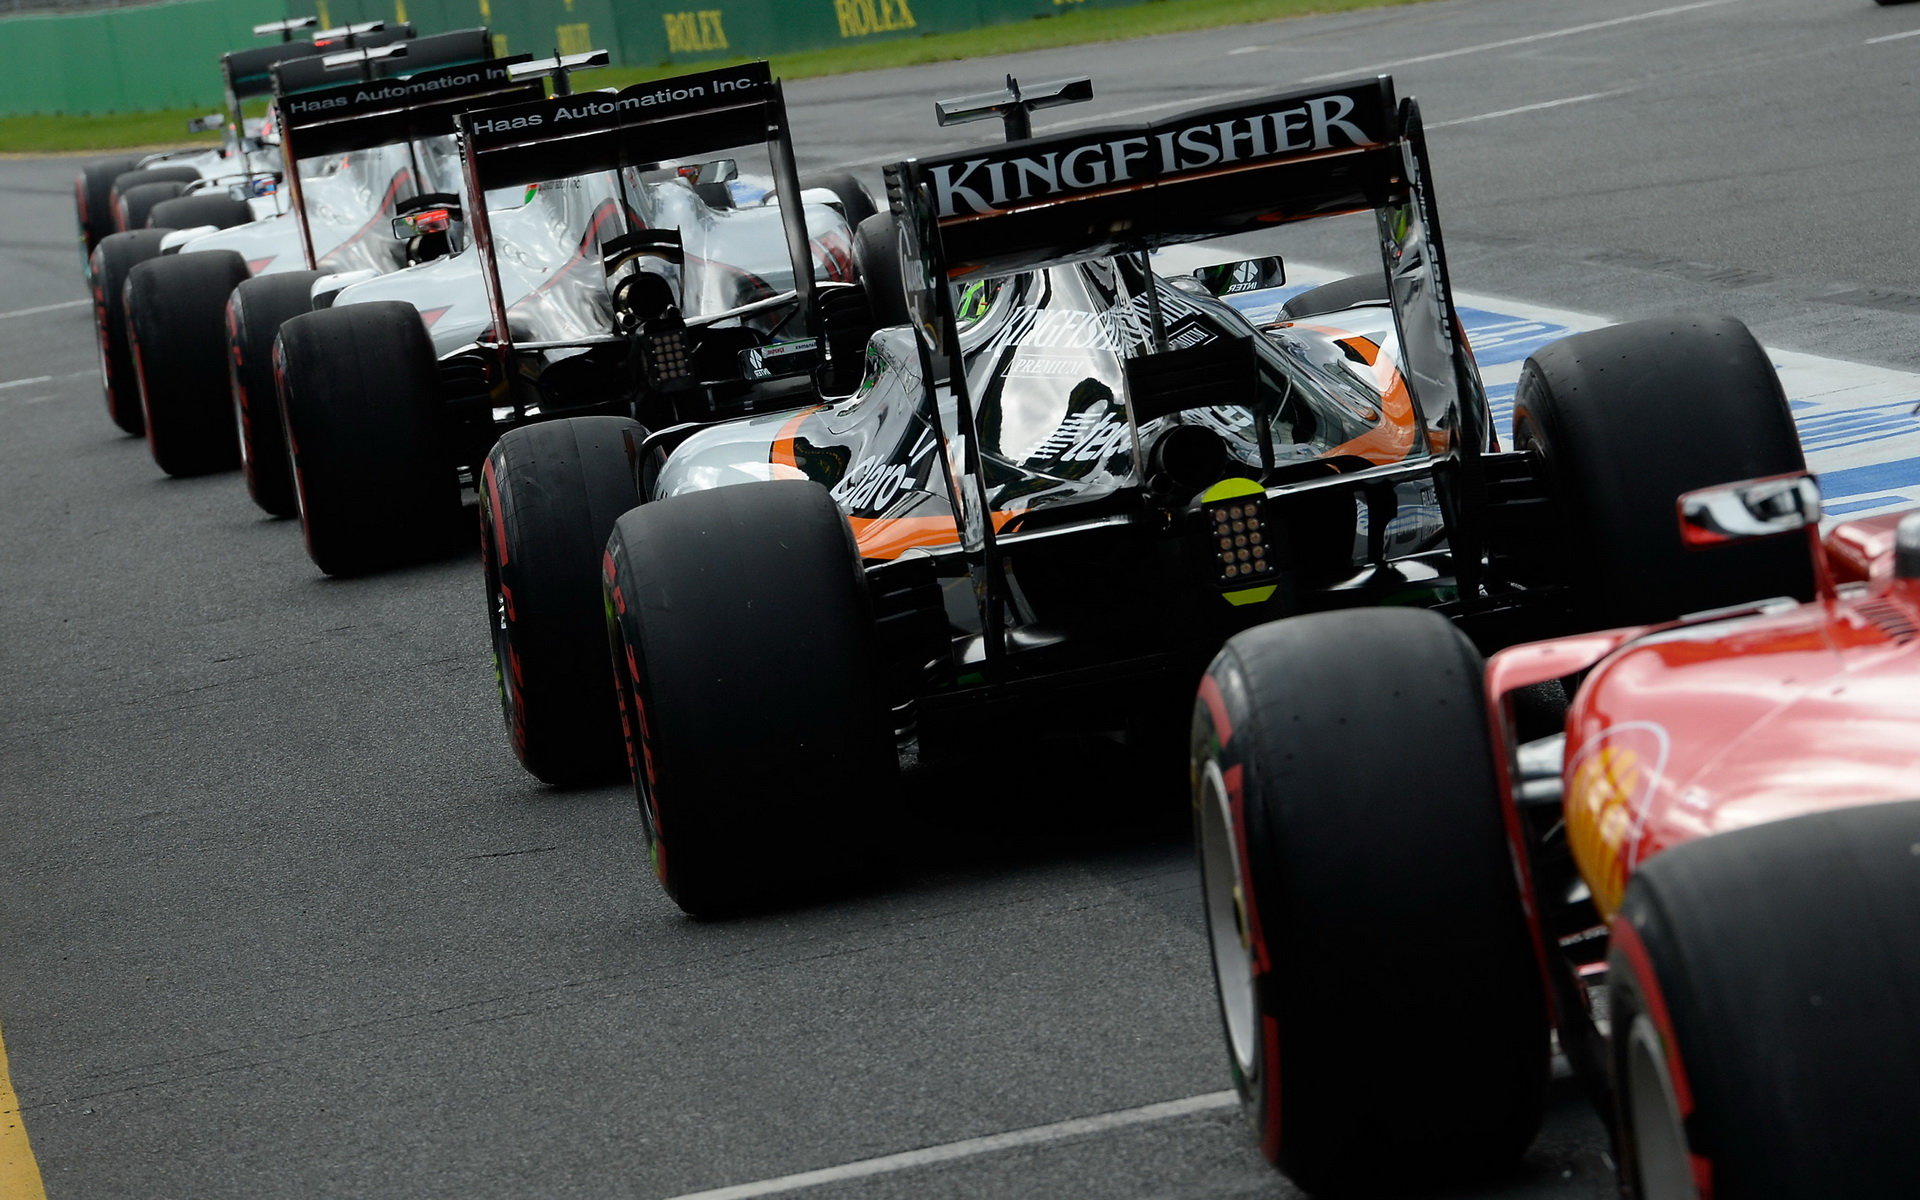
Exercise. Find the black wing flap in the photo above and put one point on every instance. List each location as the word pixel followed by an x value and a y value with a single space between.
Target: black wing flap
pixel 383 112
pixel 1206 173
pixel 637 126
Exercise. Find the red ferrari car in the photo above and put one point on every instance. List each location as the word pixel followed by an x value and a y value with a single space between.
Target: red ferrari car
pixel 1705 880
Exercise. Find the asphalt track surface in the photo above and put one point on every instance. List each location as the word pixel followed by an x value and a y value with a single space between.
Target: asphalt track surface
pixel 280 916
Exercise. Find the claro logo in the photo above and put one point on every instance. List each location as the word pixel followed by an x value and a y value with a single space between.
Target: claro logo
pixel 982 185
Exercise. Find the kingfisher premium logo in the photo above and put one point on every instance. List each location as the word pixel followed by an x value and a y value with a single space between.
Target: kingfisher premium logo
pixel 984 184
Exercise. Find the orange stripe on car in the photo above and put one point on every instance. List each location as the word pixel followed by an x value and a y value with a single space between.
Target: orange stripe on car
pixel 890 537
pixel 782 453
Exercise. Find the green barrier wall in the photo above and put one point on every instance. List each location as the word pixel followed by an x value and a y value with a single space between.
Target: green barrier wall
pixel 166 55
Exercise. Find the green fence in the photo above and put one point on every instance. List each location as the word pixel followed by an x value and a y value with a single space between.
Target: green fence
pixel 166 55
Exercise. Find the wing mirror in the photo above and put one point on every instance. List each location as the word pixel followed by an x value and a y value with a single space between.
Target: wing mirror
pixel 1754 508
pixel 211 123
pixel 1247 275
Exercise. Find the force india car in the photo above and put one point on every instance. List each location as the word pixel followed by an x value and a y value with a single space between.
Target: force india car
pixel 369 160
pixel 624 285
pixel 1063 481
pixel 1724 832
pixel 105 198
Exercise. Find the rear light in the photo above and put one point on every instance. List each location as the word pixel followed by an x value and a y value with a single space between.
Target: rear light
pixel 1242 552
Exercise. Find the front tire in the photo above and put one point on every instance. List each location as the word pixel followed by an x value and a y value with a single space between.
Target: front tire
pixel 176 320
pixel 255 312
pixel 1623 420
pixel 360 399
pixel 549 497
pixel 1766 1011
pixel 752 692
pixel 1377 982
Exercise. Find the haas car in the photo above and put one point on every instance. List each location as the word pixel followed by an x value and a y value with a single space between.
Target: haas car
pixel 619 265
pixel 1065 479
pixel 116 194
pixel 160 292
pixel 1723 832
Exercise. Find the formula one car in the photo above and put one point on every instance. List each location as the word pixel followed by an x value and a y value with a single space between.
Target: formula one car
pixel 250 229
pixel 364 152
pixel 1723 832
pixel 1066 480
pixel 629 284
pixel 116 194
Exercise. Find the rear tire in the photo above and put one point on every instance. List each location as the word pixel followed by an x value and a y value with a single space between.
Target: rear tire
pixel 856 203
pixel 176 317
pixel 1766 1011
pixel 204 208
pixel 1623 421
pixel 133 206
pixel 752 692
pixel 360 398
pixel 112 260
pixel 93 202
pixel 255 312
pixel 549 496
pixel 877 267
pixel 1377 980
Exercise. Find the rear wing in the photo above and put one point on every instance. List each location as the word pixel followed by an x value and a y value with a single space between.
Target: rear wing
pixel 386 111
pixel 1207 173
pixel 640 126
pixel 397 108
pixel 1211 172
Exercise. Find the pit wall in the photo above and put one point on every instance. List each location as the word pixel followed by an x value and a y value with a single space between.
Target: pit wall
pixel 166 55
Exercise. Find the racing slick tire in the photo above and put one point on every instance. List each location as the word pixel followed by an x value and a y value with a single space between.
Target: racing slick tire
pixel 1625 419
pixel 108 266
pixel 1765 1000
pixel 255 312
pixel 856 202
pixel 549 496
pixel 133 206
pixel 1335 296
pixel 877 265
pixel 1380 994
pixel 752 692
pixel 360 401
pixel 203 208
pixel 176 307
pixel 93 200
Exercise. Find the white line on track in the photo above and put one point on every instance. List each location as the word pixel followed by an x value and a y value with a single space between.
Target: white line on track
pixel 44 308
pixel 25 382
pixel 1038 1135
pixel 1528 40
pixel 1891 37
pixel 1527 108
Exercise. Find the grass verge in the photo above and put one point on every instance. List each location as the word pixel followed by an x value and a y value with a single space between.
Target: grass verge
pixel 60 134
